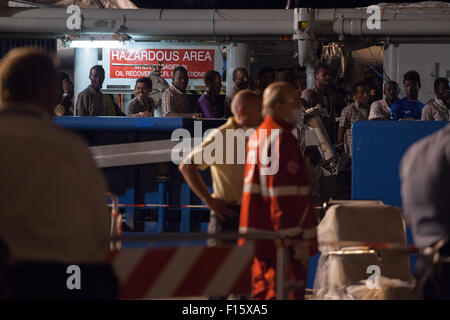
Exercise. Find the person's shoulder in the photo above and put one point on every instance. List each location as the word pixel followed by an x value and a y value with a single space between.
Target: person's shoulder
pixel 376 110
pixel 347 108
pixel 132 105
pixel 56 135
pixel 222 129
pixel 38 131
pixel 270 127
pixel 65 135
pixel 428 107
pixel 166 95
pixel 442 135
pixel 288 143
pixel 88 90
pixel 217 133
pixel 75 148
pixel 202 98
pixel 232 92
pixel 168 90
pixel 307 93
pixel 438 141
pixel 84 93
pixel 377 104
pixel 399 103
pixel 286 137
pixel 132 102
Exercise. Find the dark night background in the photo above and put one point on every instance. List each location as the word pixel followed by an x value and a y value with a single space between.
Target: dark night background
pixel 267 4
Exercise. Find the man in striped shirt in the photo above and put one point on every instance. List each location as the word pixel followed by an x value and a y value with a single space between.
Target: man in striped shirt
pixel 357 111
pixel 276 194
pixel 175 102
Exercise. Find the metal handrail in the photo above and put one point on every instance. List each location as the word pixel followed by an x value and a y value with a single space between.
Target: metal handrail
pixel 202 236
pixel 266 235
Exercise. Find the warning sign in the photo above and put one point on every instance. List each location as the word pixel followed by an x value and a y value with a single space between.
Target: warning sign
pixel 136 63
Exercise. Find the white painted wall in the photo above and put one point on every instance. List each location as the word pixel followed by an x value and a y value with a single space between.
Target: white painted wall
pixel 429 60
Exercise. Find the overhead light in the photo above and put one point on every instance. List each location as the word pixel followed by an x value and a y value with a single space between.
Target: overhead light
pixel 96 41
pixel 97 44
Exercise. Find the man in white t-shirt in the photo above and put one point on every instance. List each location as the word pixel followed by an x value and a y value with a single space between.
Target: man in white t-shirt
pixel 381 109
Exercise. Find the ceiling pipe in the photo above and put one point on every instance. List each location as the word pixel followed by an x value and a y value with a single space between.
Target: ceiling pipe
pixel 388 12
pixel 421 20
pixel 358 27
pixel 151 21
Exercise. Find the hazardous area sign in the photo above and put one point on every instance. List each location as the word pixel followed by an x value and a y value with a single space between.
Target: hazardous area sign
pixel 136 63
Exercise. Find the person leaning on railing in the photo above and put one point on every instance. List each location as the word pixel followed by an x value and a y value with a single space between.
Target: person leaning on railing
pixel 142 105
pixel 208 101
pixel 175 102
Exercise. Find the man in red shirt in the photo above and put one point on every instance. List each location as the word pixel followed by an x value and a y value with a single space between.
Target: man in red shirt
pixel 276 193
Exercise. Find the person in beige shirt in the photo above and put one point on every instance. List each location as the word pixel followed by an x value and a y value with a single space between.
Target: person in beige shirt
pixel 438 109
pixel 53 198
pixel 226 171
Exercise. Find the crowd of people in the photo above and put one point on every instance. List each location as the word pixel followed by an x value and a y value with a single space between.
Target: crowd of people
pixel 64 220
pixel 339 109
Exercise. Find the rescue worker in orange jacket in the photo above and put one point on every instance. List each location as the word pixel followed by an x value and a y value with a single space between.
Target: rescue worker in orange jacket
pixel 276 193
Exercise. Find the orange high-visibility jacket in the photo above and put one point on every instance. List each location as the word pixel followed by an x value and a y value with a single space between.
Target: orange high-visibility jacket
pixel 276 198
pixel 276 193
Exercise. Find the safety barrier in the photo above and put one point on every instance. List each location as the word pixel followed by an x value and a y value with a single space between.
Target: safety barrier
pixel 148 273
pixel 191 271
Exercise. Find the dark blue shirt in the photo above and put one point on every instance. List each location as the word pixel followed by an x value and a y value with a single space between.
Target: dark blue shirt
pixel 402 109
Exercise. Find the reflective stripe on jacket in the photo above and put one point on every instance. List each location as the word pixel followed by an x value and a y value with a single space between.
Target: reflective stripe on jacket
pixel 276 192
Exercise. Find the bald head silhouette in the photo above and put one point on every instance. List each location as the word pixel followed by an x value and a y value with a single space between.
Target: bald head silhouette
pixel 246 108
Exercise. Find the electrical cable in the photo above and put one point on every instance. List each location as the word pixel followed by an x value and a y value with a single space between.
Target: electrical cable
pixel 215 34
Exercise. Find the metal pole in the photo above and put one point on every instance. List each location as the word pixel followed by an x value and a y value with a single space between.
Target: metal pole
pixel 85 59
pixel 281 271
pixel 237 56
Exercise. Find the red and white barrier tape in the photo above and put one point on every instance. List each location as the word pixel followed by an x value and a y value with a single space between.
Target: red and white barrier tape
pixel 183 271
pixel 153 205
